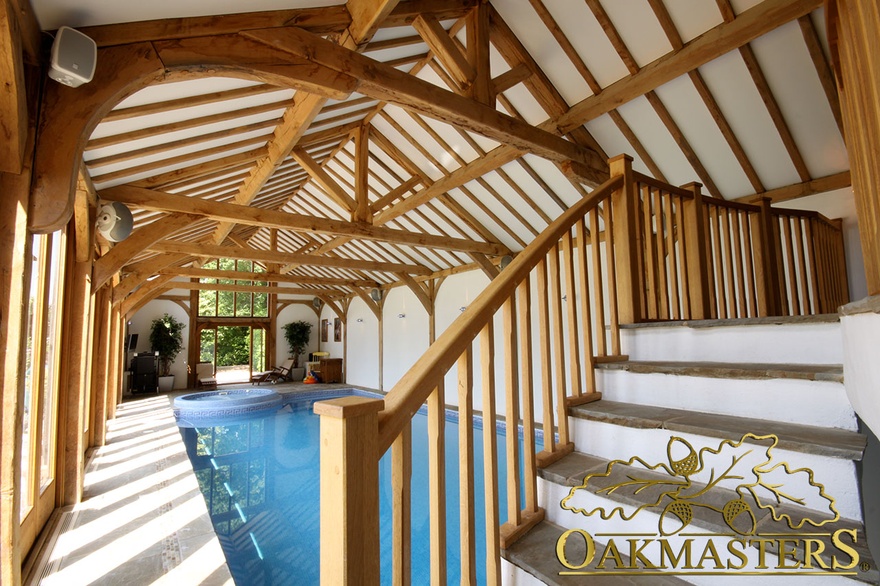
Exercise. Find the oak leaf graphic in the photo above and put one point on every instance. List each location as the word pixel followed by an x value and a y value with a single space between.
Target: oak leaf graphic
pixel 684 482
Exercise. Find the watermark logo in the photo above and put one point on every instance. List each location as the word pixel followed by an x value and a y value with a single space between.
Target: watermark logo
pixel 738 485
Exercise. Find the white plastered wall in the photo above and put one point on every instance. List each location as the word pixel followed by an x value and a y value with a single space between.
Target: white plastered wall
pixel 291 313
pixel 140 324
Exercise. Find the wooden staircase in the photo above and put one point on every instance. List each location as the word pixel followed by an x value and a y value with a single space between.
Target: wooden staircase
pixel 801 404
pixel 564 323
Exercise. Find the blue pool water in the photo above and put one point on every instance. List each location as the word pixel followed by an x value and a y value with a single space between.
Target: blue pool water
pixel 260 478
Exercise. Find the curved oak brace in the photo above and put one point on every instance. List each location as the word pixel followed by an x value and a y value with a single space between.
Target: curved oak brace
pixel 372 305
pixel 238 56
pixel 110 263
pixel 68 117
pixel 421 294
pixel 332 305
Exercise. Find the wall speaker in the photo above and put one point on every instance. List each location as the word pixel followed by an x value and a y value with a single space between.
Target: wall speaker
pixel 73 57
pixel 115 221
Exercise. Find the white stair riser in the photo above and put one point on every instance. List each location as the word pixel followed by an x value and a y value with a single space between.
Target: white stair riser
pixel 513 575
pixel 773 344
pixel 617 442
pixel 820 403
pixel 646 522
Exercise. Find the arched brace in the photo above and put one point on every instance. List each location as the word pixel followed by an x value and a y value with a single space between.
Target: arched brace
pixel 333 306
pixel 376 308
pixel 67 118
pixel 69 115
pixel 424 296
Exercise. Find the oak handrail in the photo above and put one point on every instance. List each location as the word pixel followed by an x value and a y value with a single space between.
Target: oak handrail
pixel 411 391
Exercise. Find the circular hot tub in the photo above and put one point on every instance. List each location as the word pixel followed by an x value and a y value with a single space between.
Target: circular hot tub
pixel 200 408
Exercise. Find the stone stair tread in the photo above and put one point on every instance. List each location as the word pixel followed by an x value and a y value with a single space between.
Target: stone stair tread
pixel 822 441
pixel 740 321
pixel 815 372
pixel 535 553
pixel 573 468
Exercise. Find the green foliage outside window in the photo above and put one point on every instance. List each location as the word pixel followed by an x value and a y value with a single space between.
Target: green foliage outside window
pixel 229 303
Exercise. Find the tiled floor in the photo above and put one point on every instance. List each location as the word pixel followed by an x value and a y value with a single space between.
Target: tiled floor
pixel 142 519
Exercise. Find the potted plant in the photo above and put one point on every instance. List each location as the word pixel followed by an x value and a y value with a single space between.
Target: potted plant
pixel 297 334
pixel 166 339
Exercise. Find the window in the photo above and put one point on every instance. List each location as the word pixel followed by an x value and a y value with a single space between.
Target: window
pixel 42 359
pixel 231 303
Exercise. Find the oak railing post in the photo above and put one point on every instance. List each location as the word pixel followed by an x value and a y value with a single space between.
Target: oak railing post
pixel 767 281
pixel 627 242
pixel 697 259
pixel 349 490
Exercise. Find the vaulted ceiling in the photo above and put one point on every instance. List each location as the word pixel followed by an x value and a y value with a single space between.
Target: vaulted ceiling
pixel 432 144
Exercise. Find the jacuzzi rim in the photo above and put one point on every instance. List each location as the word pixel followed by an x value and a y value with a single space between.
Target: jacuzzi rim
pixel 226 403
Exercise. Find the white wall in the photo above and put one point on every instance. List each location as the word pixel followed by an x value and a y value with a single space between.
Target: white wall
pixel 406 338
pixel 362 360
pixel 336 349
pixel 291 313
pixel 140 324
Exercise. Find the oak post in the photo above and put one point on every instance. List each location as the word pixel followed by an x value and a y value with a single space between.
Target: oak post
pixel 626 242
pixel 401 482
pixel 765 263
pixel 852 37
pixel 697 263
pixel 100 372
pixel 73 389
pixel 349 490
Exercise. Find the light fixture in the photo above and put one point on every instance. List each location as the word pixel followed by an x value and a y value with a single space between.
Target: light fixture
pixel 114 221
pixel 401 315
pixel 360 320
pixel 462 308
pixel 505 260
pixel 376 294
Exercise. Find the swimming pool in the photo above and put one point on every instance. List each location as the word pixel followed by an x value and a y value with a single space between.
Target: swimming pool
pixel 260 478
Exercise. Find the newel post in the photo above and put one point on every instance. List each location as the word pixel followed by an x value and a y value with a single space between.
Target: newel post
pixel 349 490
pixel 695 251
pixel 766 277
pixel 627 241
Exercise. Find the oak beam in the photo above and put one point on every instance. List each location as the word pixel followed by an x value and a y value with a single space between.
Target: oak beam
pixel 361 209
pixel 139 272
pixel 749 25
pixel 157 200
pixel 388 84
pixel 478 50
pixel 196 286
pixel 394 194
pixel 322 178
pixel 798 190
pixel 445 50
pixel 366 16
pixel 294 123
pixel 141 239
pixel 269 277
pixel 13 98
pixel 215 251
pixel 477 168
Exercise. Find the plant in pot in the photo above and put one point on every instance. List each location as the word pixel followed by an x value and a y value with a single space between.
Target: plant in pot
pixel 297 334
pixel 166 338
